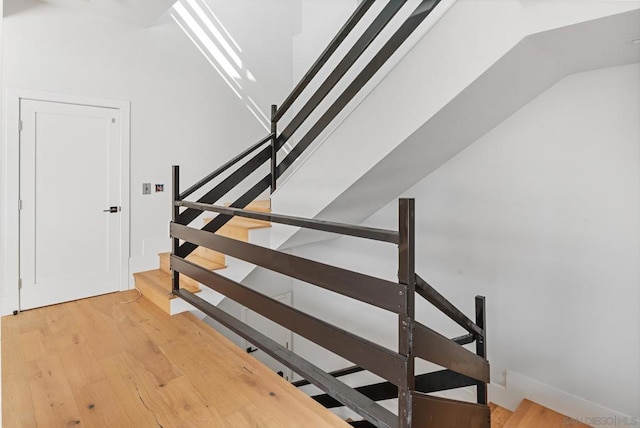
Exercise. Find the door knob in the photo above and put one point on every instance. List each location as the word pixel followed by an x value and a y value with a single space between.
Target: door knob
pixel 112 210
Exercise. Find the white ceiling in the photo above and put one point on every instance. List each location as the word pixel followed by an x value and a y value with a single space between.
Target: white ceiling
pixel 143 13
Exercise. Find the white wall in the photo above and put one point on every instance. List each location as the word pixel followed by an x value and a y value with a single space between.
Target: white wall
pixel 540 215
pixel 181 111
pixel 477 64
pixel 319 23
pixel 260 35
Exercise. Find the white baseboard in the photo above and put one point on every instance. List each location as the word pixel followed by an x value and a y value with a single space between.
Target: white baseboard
pixel 594 414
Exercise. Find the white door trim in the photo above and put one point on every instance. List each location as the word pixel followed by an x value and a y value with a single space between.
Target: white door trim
pixel 9 224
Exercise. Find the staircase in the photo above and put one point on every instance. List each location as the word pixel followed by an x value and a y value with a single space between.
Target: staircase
pixel 156 284
pixel 530 415
pixel 197 253
pixel 196 257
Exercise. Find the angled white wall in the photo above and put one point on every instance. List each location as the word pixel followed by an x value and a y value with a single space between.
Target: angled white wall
pixel 479 63
pixel 540 215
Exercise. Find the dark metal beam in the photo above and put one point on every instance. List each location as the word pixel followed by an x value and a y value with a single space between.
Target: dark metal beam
pixel 464 340
pixel 341 69
pixel 336 373
pixel 361 424
pixel 416 18
pixel 438 349
pixel 429 382
pixel 226 166
pixel 324 56
pixel 406 315
pixel 437 412
pixel 227 184
pixel 374 291
pixel 215 224
pixel 445 306
pixel 357 402
pixel 175 212
pixel 274 150
pixel 370 356
pixel 481 345
pixel 383 235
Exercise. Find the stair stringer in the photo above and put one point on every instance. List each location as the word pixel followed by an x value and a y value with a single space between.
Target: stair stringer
pixel 374 161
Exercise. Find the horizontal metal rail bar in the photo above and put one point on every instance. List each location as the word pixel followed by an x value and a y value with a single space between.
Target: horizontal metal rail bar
pixel 418 15
pixel 446 307
pixel 250 195
pixel 359 47
pixel 442 412
pixel 383 235
pixel 373 357
pixel 336 373
pixel 226 166
pixel 353 20
pixel 434 347
pixel 374 291
pixel 227 184
pixel 460 340
pixel 361 424
pixel 352 399
pixel 429 382
pixel 465 339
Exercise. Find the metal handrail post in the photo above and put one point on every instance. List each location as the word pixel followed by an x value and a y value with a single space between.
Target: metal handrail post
pixel 175 213
pixel 274 150
pixel 406 316
pixel 481 345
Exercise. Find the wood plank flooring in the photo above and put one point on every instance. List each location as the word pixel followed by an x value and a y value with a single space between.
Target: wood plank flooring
pixel 101 363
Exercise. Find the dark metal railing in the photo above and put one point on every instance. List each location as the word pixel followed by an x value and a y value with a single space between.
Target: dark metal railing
pixel 324 57
pixel 341 69
pixel 206 180
pixel 259 153
pixel 322 225
pixel 336 373
pixel 397 367
pixel 405 30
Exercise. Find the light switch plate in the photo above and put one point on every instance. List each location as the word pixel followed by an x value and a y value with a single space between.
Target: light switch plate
pixel 146 188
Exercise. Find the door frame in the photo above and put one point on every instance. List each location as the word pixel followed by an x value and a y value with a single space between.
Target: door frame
pixel 10 221
pixel 287 297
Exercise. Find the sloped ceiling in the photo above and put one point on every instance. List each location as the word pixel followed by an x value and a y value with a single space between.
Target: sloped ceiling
pixel 143 13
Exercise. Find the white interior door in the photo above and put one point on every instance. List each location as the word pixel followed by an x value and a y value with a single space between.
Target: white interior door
pixel 70 243
pixel 272 330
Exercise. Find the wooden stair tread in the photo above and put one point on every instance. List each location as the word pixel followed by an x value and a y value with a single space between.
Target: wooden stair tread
pixel 200 260
pixel 162 281
pixel 155 285
pixel 533 415
pixel 243 223
pixel 261 205
pixel 249 223
pixel 499 415
pixel 205 262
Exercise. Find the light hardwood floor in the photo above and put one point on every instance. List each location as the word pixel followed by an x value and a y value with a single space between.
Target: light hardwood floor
pixel 99 363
